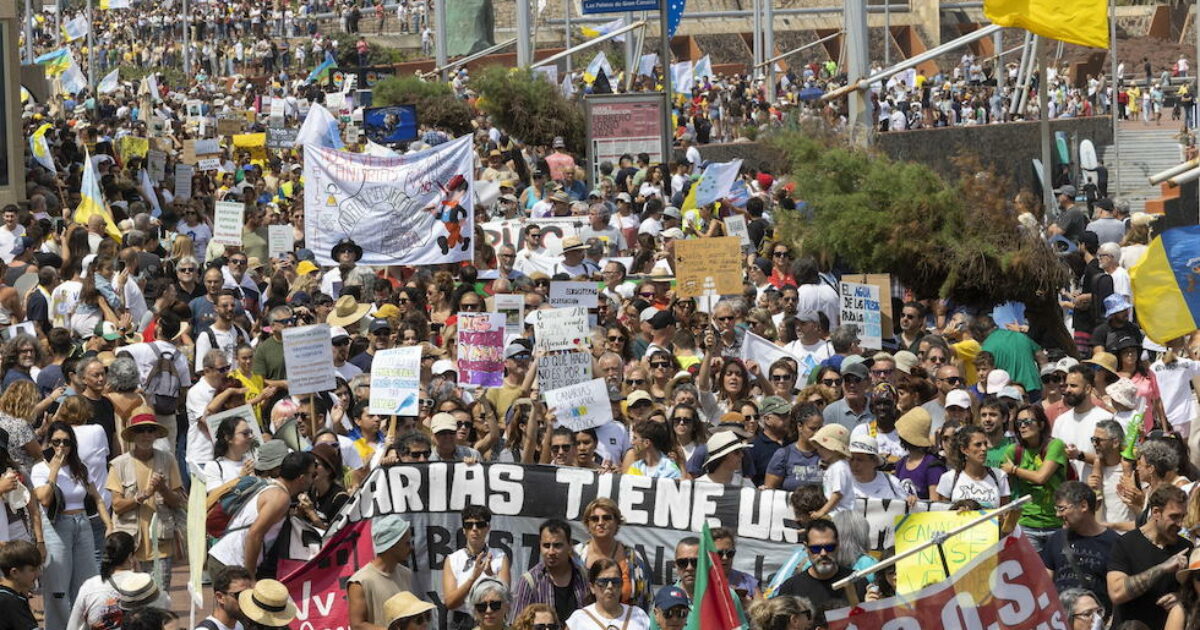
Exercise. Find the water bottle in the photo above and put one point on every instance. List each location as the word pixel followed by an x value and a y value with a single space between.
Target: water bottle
pixel 1133 431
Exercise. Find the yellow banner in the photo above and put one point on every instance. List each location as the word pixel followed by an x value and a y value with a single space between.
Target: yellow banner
pixel 132 146
pixel 913 530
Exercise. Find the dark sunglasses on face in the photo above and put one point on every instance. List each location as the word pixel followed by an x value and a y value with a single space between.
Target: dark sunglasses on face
pixel 660 365
pixel 476 525
pixel 560 448
pixel 682 420
pixel 817 549
pixel 598 518
pixel 850 379
pixel 684 563
pixel 546 626
pixel 678 612
pixel 727 553
pixel 61 442
pixel 608 582
pixel 1051 378
pixel 420 454
pixel 781 378
pixel 342 342
pixel 831 382
pixel 493 606
pixel 635 381
pixel 148 429
pixel 616 339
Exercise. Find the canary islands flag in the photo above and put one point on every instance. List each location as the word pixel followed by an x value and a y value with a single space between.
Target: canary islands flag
pixel 56 61
pixel 41 149
pixel 1083 22
pixel 91 200
pixel 1166 285
pixel 592 32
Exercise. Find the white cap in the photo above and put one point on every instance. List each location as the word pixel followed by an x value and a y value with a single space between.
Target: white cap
pixel 337 331
pixel 441 366
pixel 648 313
pixel 958 398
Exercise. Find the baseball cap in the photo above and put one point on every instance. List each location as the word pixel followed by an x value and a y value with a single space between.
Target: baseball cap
pixel 442 422
pixel 671 596
pixel 672 212
pixel 441 366
pixel 624 197
pixel 337 332
pixel 958 398
pixel 672 233
pixel 516 349
pixel 639 395
pixel 808 316
pixel 648 314
pixel 661 320
pixel 108 331
pixel 379 324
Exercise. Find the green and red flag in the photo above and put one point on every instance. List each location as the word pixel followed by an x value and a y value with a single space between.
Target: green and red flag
pixel 713 604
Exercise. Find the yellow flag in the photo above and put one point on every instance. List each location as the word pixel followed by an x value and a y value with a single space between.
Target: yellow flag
pixel 91 200
pixel 1083 22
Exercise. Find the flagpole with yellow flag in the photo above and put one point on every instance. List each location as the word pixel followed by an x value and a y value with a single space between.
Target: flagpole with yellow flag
pixel 1083 22
pixel 91 200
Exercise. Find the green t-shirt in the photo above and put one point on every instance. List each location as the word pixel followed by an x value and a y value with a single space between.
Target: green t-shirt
pixel 995 454
pixel 1039 512
pixel 1014 353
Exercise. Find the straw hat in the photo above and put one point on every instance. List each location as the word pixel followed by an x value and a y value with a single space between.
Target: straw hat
pixel 1123 393
pixel 834 437
pixel 347 311
pixel 268 604
pixel 1103 359
pixel 143 416
pixel 721 444
pixel 572 243
pixel 914 426
pixel 403 605
pixel 135 590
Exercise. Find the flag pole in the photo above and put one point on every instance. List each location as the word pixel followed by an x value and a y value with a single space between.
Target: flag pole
pixel 982 518
pixel 1116 85
pixel 668 94
pixel 1039 49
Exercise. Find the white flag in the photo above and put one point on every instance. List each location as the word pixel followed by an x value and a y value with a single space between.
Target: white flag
pixel 73 81
pixel 109 82
pixel 568 88
pixel 682 77
pixel 646 64
pixel 76 28
pixel 703 68
pixel 146 187
pixel 319 128
pixel 716 181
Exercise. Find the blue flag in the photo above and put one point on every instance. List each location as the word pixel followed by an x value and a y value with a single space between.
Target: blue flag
pixel 674 15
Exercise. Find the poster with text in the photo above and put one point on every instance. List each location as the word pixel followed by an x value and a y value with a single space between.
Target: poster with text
pixel 396 381
pixel 581 406
pixel 566 294
pixel 708 266
pixel 860 306
pixel 925 568
pixel 512 306
pixel 228 222
pixel 481 349
pixel 279 239
pixel 561 329
pixel 564 369
pixel 308 357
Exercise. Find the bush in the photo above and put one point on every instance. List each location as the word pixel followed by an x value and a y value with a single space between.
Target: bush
pixel 436 104
pixel 529 108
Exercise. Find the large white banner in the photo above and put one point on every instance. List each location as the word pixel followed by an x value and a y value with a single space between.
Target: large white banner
pixel 407 210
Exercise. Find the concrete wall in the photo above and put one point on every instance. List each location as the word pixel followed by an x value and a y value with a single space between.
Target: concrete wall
pixel 1009 148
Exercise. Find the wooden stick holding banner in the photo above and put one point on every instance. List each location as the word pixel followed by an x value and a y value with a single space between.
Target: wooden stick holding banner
pixel 983 518
pixel 312 416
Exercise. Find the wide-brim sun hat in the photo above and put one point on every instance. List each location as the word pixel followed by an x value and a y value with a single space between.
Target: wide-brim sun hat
pixel 268 604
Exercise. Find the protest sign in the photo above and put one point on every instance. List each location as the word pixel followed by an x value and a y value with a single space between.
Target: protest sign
pixel 567 294
pixel 253 143
pixel 230 126
pixel 556 371
pixel 395 123
pixel 244 412
pixel 396 381
pixel 281 138
pixel 408 210
pixel 561 329
pixel 188 154
pixel 512 306
pixel 581 406
pixel 481 349
pixel 913 530
pixel 228 222
pixel 861 307
pixel 23 328
pixel 883 282
pixel 156 164
pixel 183 181
pixel 207 148
pixel 275 118
pixel 708 266
pixel 736 224
pixel 279 239
pixel 1004 587
pixel 209 164
pixel 308 358
pixel 132 146
pixel 553 231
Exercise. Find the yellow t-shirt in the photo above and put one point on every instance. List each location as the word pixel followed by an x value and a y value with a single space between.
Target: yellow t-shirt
pixel 966 351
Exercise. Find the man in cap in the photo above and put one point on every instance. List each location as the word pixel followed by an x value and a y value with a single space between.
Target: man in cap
pixel 341 353
pixel 559 161
pixel 384 576
pixel 496 169
pixel 883 424
pixel 671 606
pixel 444 428
pixel 380 332
pixel 1116 322
pixel 1053 375
pixel 1104 224
pixel 851 409
pixel 518 378
pixel 772 434
pixel 662 327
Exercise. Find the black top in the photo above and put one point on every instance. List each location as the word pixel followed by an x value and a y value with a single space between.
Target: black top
pixel 564 598
pixel 1081 561
pixel 15 613
pixel 103 415
pixel 821 592
pixel 1132 554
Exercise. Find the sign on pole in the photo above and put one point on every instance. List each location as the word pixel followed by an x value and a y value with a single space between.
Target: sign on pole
pixel 281 138
pixel 228 222
pixel 623 123
pixel 396 381
pixel 618 6
pixel 860 306
pixel 582 406
pixel 183 181
pixel 708 266
pixel 924 568
pixel 308 358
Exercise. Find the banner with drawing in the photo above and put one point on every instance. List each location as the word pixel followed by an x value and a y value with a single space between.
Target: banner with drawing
pixel 409 210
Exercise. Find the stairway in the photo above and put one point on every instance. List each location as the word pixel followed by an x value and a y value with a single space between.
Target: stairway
pixel 1143 151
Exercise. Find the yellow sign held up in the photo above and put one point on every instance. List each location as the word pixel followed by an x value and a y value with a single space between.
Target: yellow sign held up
pixel 913 530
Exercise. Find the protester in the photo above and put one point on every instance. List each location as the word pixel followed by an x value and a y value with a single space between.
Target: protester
pixel 1141 571
pixel 605 578
pixel 21 565
pixel 556 579
pixel 227 586
pixel 385 575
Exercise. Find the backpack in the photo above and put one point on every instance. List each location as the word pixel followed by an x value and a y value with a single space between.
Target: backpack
pixel 223 507
pixel 239 335
pixel 162 385
pixel 1019 455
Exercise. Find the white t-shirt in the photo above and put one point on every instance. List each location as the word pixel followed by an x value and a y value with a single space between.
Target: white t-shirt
pixel 988 491
pixel 888 443
pixel 1076 429
pixel 838 478
pixel 809 356
pixel 146 355
pixel 227 341
pixel 588 618
pixel 819 297
pixel 883 486
pixel 1174 385
pixel 92 446
pixel 1121 282
pixel 1113 509
pixel 221 471
pixel 199 449
pixel 73 491
pixel 62 302
pixel 612 441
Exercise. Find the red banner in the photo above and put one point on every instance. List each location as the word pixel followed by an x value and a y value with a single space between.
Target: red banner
pixel 1004 587
pixel 318 586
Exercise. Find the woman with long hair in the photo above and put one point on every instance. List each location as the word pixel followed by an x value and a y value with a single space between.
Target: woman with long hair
pixel 603 521
pixel 257 391
pixel 732 383
pixel 487 437
pixel 467 566
pixel 231 455
pixel 96 605
pixel 971 477
pixel 920 471
pixel 23 401
pixel 439 294
pixel 92 446
pixel 617 340
pixel 689 430
pixel 604 576
pixel 652 449
pixel 328 491
pixel 784 612
pixel 1130 365
pixel 62 488
pixel 1037 465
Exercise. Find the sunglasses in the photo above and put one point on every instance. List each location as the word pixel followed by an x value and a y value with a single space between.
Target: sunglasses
pixel 469 307
pixel 1098 441
pixel 953 380
pixel 608 582
pixel 221 370
pixel 237 261
pixel 684 563
pixel 831 382
pixel 646 295
pixel 816 550
pixel 660 365
pixel 601 518
pixel 476 524
pixel 61 442
pixel 678 612
pixel 342 342
pixel 850 379
pixel 781 378
pixel 493 606
pixel 727 318
pixel 148 428
pixel 617 339
pixel 635 381
pixel 726 553
pixel 560 448
pixel 1051 378
pixel 187 270
pixel 420 454
pixel 464 424
pixel 881 373
pixel 781 253
pixel 1024 422
pixel 682 420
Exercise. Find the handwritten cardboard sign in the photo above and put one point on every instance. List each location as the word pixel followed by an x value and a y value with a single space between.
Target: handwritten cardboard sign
pixel 563 294
pixel 561 329
pixel 396 381
pixel 564 369
pixel 308 357
pixel 227 222
pixel 861 307
pixel 708 266
pixel 582 406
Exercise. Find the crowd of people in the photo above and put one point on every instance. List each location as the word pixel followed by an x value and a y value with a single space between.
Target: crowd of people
pixel 123 340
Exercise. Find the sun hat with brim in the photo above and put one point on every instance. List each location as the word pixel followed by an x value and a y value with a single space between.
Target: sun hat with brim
pixel 721 444
pixel 346 245
pixel 1105 360
pixel 134 590
pixel 387 530
pixel 347 311
pixel 573 244
pixel 1116 303
pixel 834 437
pixel 306 267
pixel 638 396
pixel 1123 392
pixel 560 197
pixel 905 361
pixel 774 405
pixel 442 422
pixel 914 427
pixel 403 605
pixel 143 416
pixel 268 604
pixel 866 445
